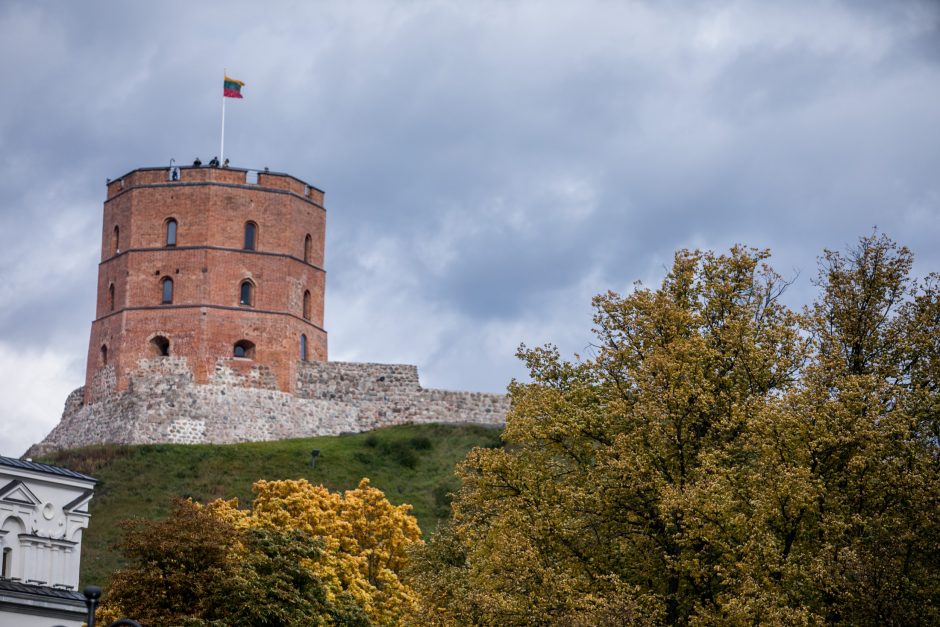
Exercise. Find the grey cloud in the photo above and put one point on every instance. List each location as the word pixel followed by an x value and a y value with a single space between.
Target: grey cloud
pixel 488 166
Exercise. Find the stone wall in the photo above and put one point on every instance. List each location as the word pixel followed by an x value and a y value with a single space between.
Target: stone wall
pixel 163 404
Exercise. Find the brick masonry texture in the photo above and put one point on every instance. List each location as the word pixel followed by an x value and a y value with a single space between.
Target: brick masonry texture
pixel 163 404
pixel 167 372
pixel 207 264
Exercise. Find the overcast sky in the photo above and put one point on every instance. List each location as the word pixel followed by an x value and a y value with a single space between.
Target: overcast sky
pixel 488 166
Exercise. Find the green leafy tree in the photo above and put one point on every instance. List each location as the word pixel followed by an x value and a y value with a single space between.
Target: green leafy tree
pixel 719 459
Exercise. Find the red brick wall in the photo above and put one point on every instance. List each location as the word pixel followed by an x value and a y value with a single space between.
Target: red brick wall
pixel 207 265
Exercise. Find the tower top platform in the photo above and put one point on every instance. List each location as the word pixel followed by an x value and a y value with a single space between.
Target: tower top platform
pixel 202 175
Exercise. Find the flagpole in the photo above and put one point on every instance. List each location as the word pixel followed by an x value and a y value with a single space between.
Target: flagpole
pixel 222 148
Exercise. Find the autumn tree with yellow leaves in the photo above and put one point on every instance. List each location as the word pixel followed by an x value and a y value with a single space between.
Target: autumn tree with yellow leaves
pixel 717 459
pixel 301 555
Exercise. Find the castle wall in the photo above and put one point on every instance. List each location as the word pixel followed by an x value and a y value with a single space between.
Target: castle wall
pixel 165 369
pixel 241 402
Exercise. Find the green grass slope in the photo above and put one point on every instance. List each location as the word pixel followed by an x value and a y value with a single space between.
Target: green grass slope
pixel 411 464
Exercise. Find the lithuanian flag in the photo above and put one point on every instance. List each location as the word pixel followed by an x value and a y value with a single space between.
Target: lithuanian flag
pixel 232 88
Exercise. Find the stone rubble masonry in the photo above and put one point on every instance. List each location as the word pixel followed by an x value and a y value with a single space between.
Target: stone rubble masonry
pixel 162 403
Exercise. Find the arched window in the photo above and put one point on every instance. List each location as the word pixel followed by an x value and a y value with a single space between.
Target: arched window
pixel 251 235
pixel 308 243
pixel 7 567
pixel 171 232
pixel 104 354
pixel 111 297
pixel 116 243
pixel 244 349
pixel 245 293
pixel 303 347
pixel 307 304
pixel 160 346
pixel 167 288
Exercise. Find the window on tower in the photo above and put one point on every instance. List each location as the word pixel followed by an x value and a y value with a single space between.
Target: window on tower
pixel 245 293
pixel 251 235
pixel 167 289
pixel 244 349
pixel 303 347
pixel 160 346
pixel 171 232
pixel 116 243
pixel 104 354
pixel 308 244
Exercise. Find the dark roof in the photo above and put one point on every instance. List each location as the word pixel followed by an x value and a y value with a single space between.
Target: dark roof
pixel 78 500
pixel 45 591
pixel 23 464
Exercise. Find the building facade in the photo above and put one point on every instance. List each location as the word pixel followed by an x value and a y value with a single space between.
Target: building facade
pixel 43 514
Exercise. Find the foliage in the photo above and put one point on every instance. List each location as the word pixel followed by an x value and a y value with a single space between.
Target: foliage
pixel 195 568
pixel 719 459
pixel 301 556
pixel 365 538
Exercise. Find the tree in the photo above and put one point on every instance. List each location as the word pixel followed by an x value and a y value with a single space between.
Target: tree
pixel 195 568
pixel 365 539
pixel 718 459
pixel 301 556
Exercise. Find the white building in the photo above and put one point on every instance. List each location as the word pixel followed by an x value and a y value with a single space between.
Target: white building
pixel 43 512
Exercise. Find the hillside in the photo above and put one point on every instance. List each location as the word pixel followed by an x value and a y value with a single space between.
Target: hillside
pixel 411 464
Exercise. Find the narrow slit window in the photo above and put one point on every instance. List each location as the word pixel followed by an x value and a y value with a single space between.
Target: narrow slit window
pixel 303 347
pixel 171 232
pixel 116 243
pixel 308 243
pixel 245 293
pixel 104 354
pixel 167 291
pixel 251 235
pixel 307 304
pixel 111 297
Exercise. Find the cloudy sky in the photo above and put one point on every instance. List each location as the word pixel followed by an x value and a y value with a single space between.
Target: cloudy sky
pixel 489 166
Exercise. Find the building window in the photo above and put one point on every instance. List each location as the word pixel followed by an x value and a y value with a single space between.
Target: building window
pixel 7 566
pixel 244 349
pixel 307 304
pixel 160 346
pixel 308 243
pixel 116 244
pixel 104 354
pixel 171 232
pixel 251 235
pixel 167 288
pixel 111 297
pixel 303 347
pixel 245 293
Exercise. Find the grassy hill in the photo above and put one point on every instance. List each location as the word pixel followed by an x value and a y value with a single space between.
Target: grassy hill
pixel 411 464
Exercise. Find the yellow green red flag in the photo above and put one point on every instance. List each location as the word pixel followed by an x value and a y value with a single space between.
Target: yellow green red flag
pixel 232 88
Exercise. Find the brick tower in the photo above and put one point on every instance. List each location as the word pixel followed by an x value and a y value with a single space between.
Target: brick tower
pixel 220 269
